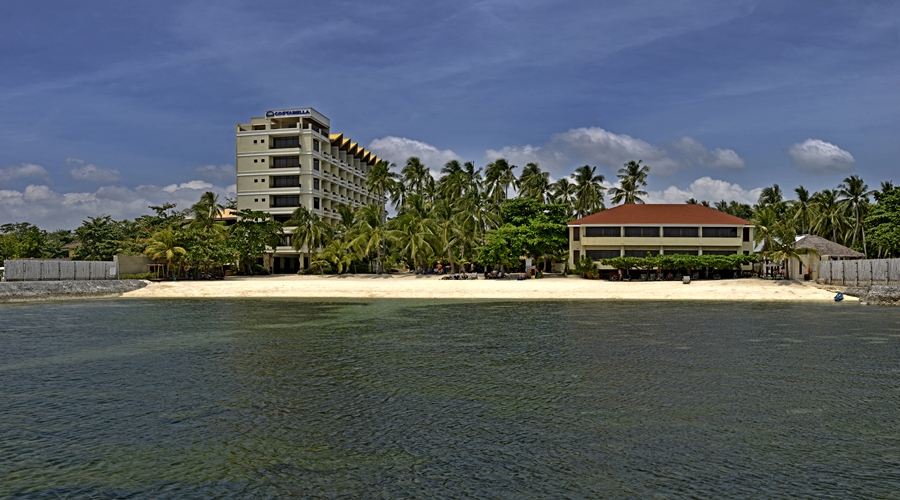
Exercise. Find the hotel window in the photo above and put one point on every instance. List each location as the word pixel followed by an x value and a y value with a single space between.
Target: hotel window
pixel 746 234
pixel 286 142
pixel 642 232
pixel 602 254
pixel 681 232
pixel 315 144
pixel 719 252
pixel 286 181
pixel 682 252
pixel 286 201
pixel 576 233
pixel 577 256
pixel 720 232
pixel 596 232
pixel 286 162
pixel 316 184
pixel 640 253
pixel 315 164
pixel 316 203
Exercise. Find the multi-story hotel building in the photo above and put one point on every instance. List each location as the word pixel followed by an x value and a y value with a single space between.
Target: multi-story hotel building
pixel 287 159
pixel 636 230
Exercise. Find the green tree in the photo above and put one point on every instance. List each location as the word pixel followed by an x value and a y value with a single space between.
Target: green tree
pixel 381 181
pixel 100 237
pixel 534 183
pixel 249 237
pixel 309 231
pixel 164 245
pixel 416 177
pixel 856 194
pixel 883 222
pixel 589 191
pixel 632 177
pixel 371 234
pixel 21 241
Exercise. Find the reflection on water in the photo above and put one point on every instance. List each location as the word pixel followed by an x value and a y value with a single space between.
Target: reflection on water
pixel 387 398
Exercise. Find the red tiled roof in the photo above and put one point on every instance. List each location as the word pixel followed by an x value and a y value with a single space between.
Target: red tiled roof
pixel 660 214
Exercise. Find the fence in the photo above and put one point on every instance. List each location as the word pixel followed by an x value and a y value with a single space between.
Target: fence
pixel 860 272
pixel 58 270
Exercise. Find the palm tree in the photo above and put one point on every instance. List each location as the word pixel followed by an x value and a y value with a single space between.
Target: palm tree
pixel 500 177
pixel 856 194
pixel 887 186
pixel 473 177
pixel 206 210
pixel 381 181
pixel 771 197
pixel 804 210
pixel 831 216
pixel 785 246
pixel 371 233
pixel 415 230
pixel 415 176
pixel 692 201
pixel 310 231
pixel 336 254
pixel 589 191
pixel 632 177
pixel 534 183
pixel 454 181
pixel 163 245
pixel 446 221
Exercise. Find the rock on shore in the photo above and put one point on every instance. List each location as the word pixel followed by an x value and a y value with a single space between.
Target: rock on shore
pixel 21 291
pixel 876 295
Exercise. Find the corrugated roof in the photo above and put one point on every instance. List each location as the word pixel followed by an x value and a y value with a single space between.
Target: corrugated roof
pixel 826 247
pixel 653 213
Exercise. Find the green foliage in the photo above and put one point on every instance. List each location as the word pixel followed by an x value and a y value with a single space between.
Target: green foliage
pixel 882 225
pixel 21 241
pixel 680 261
pixel 249 237
pixel 101 238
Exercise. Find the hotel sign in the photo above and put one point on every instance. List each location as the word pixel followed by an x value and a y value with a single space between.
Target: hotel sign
pixel 287 112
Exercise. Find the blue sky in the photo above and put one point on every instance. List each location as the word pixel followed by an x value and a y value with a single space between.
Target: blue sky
pixel 108 108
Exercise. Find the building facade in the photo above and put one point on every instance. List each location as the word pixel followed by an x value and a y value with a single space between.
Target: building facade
pixel 636 230
pixel 289 158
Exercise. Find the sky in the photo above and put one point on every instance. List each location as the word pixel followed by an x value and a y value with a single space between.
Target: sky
pixel 108 107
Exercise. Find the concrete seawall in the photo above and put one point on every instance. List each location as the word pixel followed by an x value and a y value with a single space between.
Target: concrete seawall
pixel 26 291
pixel 875 295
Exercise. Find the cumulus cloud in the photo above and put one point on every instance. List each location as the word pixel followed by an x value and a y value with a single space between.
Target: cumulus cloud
pixel 398 149
pixel 89 172
pixel 596 146
pixel 815 155
pixel 23 170
pixel 694 152
pixel 51 210
pixel 215 171
pixel 705 188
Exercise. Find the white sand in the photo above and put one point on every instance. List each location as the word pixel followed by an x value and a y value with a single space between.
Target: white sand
pixel 432 287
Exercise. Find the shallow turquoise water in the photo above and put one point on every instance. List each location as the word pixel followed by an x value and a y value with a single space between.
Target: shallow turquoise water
pixel 410 398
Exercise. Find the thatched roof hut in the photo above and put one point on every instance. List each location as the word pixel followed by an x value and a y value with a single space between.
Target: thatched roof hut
pixel 828 250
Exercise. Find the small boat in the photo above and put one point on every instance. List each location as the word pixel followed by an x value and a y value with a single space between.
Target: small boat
pixel 839 297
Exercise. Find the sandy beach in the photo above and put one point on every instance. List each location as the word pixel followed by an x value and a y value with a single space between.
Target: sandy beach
pixel 432 287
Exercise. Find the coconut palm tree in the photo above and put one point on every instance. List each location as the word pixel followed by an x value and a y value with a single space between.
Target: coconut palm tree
pixel 163 245
pixel 473 178
pixel 771 197
pixel 381 181
pixel 856 194
pixel 589 191
pixel 831 220
pixel 454 180
pixel 632 177
pixel 335 253
pixel 415 176
pixel 206 210
pixel 500 176
pixel 784 245
pixel 804 210
pixel 310 231
pixel 444 213
pixel 415 230
pixel 372 234
pixel 534 183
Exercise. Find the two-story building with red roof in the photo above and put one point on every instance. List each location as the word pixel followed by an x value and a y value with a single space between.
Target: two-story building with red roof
pixel 636 230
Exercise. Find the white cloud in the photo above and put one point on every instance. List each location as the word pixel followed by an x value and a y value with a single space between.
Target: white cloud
pixel 92 173
pixel 815 155
pixel 705 188
pixel 596 146
pixel 40 205
pixel 398 149
pixel 198 185
pixel 695 153
pixel 215 171
pixel 23 170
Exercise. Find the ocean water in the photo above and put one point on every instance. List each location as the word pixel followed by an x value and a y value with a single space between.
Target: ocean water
pixel 438 399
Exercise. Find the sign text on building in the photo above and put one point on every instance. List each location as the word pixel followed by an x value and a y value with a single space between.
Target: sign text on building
pixel 287 112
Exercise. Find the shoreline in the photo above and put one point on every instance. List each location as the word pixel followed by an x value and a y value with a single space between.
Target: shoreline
pixel 551 287
pixel 35 291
